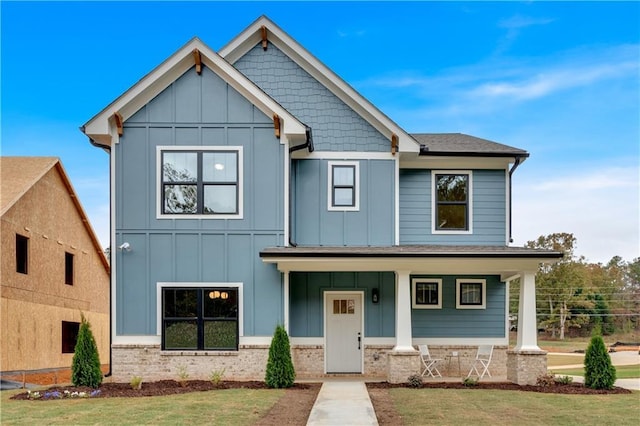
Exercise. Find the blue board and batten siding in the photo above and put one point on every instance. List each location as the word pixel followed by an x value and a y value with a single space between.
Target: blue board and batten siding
pixel 489 211
pixel 198 110
pixel 371 225
pixel 471 323
pixel 335 126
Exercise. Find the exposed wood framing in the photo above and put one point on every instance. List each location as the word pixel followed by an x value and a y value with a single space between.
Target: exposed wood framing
pixel 198 60
pixel 276 125
pixel 117 117
pixel 264 37
pixel 394 144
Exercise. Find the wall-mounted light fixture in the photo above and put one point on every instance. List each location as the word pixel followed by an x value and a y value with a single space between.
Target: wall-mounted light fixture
pixel 375 295
pixel 124 246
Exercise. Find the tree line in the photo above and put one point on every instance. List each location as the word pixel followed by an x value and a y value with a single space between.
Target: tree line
pixel 574 296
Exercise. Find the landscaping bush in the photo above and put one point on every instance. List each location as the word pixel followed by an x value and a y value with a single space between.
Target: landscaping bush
pixel 599 373
pixel 280 372
pixel 85 367
pixel 414 381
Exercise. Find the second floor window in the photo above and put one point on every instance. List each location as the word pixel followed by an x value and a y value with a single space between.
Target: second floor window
pixel 68 268
pixel 200 182
pixel 22 254
pixel 343 185
pixel 452 205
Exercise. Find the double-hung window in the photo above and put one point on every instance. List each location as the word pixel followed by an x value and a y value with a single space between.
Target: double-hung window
pixel 205 182
pixel 204 318
pixel 343 186
pixel 471 293
pixel 427 293
pixel 452 208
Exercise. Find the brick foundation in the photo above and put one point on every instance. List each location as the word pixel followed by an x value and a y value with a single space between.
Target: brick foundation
pixel 524 367
pixel 401 365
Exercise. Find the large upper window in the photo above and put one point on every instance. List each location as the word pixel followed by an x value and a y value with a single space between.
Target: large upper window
pixel 206 182
pixel 343 185
pixel 427 293
pixel 452 201
pixel 22 254
pixel 200 318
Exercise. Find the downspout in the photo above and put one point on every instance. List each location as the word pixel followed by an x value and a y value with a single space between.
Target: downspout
pixel 518 161
pixel 107 149
pixel 309 145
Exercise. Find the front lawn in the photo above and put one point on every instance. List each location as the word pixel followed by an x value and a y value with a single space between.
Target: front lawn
pixel 497 407
pixel 622 371
pixel 232 406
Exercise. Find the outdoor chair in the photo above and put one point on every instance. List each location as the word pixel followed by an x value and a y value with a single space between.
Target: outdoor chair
pixel 482 361
pixel 428 362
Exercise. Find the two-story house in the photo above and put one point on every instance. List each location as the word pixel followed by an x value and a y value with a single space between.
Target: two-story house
pixel 254 187
pixel 52 270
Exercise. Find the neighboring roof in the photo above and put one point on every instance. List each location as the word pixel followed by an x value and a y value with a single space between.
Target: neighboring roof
pixel 411 251
pixel 252 35
pixel 19 174
pixel 458 144
pixel 100 128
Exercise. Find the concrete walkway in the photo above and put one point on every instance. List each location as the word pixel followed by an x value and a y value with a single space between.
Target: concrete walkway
pixel 342 403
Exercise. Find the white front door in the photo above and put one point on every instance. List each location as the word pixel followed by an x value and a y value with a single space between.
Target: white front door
pixel 343 332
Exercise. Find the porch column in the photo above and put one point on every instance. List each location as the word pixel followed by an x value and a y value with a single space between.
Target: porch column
pixel 403 312
pixel 527 321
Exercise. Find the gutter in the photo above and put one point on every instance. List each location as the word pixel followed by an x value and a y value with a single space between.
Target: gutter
pixel 107 149
pixel 518 160
pixel 309 145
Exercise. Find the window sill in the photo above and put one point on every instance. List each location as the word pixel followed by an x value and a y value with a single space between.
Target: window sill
pixel 199 353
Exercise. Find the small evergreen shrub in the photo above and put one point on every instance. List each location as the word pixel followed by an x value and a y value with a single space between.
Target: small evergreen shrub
pixel 599 373
pixel 280 372
pixel 85 367
pixel 470 382
pixel 414 381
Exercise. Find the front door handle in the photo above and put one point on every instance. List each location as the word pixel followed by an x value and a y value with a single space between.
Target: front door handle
pixel 359 340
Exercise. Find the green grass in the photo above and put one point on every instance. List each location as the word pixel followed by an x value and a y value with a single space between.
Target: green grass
pixel 222 407
pixel 554 359
pixel 622 371
pixel 493 407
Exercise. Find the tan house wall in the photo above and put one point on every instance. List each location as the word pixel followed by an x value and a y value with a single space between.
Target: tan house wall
pixel 35 304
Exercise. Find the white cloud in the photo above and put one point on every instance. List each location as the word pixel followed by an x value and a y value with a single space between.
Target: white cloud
pixel 600 207
pixel 520 21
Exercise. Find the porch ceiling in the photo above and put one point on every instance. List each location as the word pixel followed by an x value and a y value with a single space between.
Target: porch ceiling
pixel 423 259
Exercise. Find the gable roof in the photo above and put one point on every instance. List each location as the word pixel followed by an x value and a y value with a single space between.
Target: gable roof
pixel 252 35
pixel 459 144
pixel 101 128
pixel 19 174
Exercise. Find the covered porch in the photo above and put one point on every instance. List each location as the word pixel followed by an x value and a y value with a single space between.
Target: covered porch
pixel 394 355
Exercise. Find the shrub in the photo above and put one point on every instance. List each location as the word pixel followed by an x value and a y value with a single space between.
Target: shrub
pixel 136 382
pixel 546 380
pixel 183 375
pixel 280 372
pixel 599 373
pixel 414 381
pixel 85 367
pixel 470 382
pixel 564 380
pixel 216 376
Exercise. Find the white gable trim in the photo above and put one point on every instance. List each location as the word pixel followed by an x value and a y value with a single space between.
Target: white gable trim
pixel 98 128
pixel 247 39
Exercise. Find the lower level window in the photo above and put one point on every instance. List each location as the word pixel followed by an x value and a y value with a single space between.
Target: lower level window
pixel 200 318
pixel 427 293
pixel 470 294
pixel 69 336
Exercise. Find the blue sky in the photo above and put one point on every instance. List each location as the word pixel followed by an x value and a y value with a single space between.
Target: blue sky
pixel 561 80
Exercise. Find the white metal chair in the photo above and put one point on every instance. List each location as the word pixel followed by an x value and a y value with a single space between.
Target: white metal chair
pixel 428 362
pixel 482 361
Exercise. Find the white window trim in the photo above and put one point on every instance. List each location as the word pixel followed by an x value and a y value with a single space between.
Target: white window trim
pixel 414 282
pixel 330 206
pixel 484 293
pixel 161 285
pixel 434 203
pixel 158 192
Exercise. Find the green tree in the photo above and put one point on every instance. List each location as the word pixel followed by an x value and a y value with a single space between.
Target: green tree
pixel 280 372
pixel 85 367
pixel 599 373
pixel 560 286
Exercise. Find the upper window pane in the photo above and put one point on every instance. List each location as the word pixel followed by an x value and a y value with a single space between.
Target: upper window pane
pixel 180 303
pixel 180 167
pixel 343 175
pixel 343 185
pixel 220 167
pixel 221 303
pixel 452 187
